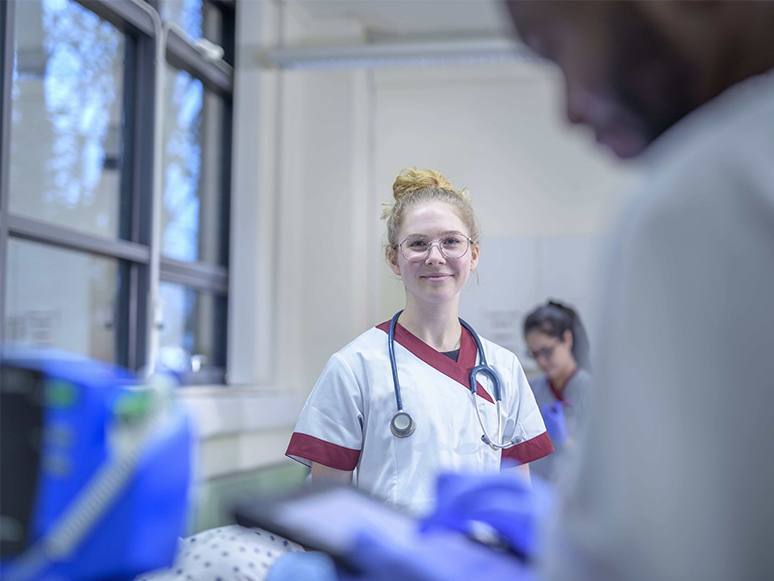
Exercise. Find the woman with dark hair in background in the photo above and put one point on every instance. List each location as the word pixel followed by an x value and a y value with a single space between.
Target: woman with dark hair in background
pixel 557 341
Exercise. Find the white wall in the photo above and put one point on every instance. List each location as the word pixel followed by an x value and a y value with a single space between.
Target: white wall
pixel 543 193
pixel 316 154
pixel 298 283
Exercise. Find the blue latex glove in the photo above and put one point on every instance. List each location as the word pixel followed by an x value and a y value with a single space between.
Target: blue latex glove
pixel 505 502
pixel 438 556
pixel 302 566
pixel 556 425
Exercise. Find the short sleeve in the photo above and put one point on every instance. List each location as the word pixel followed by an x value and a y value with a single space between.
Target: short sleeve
pixel 329 430
pixel 525 424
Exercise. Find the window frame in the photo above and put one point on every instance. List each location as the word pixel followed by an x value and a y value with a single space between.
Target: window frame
pixel 6 74
pixel 134 244
pixel 217 77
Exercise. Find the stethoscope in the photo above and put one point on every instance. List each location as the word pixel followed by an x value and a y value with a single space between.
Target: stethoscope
pixel 403 425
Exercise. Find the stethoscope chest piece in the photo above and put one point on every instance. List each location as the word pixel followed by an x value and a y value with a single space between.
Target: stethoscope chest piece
pixel 402 424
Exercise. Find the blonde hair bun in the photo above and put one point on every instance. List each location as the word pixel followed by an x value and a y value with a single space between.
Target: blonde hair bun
pixel 414 186
pixel 413 180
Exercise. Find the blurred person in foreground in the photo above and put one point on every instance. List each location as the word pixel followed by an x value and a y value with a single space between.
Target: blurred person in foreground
pixel 676 475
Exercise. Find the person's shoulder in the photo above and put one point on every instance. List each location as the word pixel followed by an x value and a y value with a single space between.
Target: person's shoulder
pixel 744 108
pixel 583 374
pixel 349 360
pixel 722 146
pixel 497 353
pixel 373 338
pixel 583 378
pixel 539 383
pixel 707 176
pixel 541 389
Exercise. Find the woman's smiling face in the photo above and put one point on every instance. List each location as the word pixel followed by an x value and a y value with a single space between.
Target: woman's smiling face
pixel 436 279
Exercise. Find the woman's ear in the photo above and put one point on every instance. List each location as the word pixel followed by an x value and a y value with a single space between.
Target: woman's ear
pixel 392 259
pixel 474 252
pixel 567 338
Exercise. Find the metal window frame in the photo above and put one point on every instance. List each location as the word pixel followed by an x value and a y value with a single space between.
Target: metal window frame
pixel 122 13
pixel 142 193
pixel 132 248
pixel 218 77
pixel 6 76
pixel 55 235
pixel 224 4
pixel 226 181
pixel 209 375
pixel 198 275
pixel 228 33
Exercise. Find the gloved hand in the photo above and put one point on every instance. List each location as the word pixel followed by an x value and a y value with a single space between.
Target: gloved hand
pixel 556 425
pixel 436 556
pixel 505 502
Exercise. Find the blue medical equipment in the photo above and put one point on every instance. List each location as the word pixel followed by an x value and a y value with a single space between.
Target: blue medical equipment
pixel 403 425
pixel 95 470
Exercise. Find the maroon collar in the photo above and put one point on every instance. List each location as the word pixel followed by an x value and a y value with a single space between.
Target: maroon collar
pixel 559 393
pixel 458 370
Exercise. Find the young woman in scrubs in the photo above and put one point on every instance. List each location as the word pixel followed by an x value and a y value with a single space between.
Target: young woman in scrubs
pixel 344 429
pixel 557 341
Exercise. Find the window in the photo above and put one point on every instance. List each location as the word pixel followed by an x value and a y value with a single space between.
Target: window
pixel 83 269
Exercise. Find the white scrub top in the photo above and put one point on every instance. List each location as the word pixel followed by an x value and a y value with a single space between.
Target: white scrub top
pixel 677 474
pixel 345 423
pixel 573 397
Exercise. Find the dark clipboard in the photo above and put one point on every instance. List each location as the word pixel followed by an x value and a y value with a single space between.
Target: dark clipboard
pixel 324 517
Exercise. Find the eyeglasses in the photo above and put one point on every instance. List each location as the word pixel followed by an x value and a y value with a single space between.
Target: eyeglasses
pixel 451 246
pixel 544 353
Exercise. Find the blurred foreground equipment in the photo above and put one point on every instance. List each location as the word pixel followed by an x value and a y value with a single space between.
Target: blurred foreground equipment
pixel 95 469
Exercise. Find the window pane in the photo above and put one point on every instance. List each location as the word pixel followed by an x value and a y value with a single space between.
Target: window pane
pixel 62 298
pixel 198 18
pixel 67 116
pixel 192 338
pixel 193 170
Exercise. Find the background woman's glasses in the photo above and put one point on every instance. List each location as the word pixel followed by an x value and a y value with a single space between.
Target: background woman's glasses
pixel 544 353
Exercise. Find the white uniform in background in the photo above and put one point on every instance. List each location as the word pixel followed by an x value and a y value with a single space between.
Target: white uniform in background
pixel 573 397
pixel 345 423
pixel 677 474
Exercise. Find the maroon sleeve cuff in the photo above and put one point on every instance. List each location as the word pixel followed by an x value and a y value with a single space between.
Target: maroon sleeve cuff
pixel 531 450
pixel 307 449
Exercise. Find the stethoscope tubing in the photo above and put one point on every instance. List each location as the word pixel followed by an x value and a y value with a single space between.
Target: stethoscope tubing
pixel 393 364
pixel 482 367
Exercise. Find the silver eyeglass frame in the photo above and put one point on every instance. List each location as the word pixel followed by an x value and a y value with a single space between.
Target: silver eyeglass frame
pixel 431 243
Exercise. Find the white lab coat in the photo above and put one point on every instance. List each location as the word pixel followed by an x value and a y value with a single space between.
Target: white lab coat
pixel 677 473
pixel 345 423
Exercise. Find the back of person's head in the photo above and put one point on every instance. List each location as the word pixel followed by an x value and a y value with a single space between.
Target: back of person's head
pixel 554 319
pixel 413 187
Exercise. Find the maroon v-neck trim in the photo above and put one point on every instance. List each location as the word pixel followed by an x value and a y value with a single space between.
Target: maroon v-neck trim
pixel 458 370
pixel 559 393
